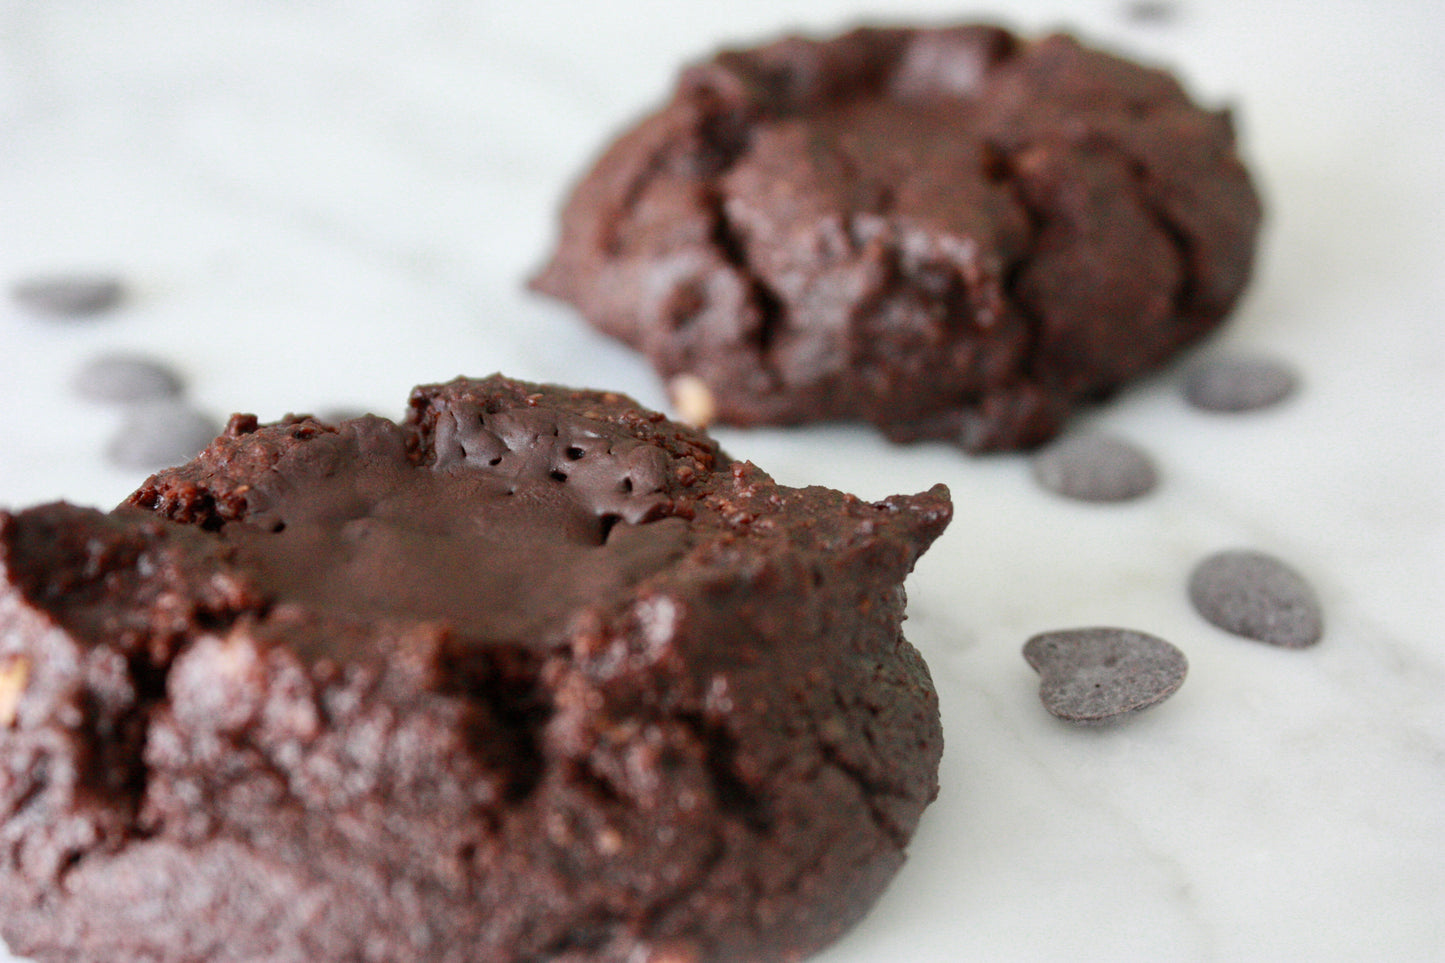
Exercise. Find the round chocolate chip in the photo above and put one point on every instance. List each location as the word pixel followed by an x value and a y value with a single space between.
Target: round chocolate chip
pixel 1257 596
pixel 1095 468
pixel 125 378
pixel 1097 675
pixel 1235 384
pixel 72 295
pixel 160 434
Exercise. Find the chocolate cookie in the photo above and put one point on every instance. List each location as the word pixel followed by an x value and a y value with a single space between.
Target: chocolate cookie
pixel 534 675
pixel 950 233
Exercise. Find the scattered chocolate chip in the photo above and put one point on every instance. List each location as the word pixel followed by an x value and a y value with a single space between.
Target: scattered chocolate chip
pixel 1097 675
pixel 1257 596
pixel 73 295
pixel 1095 468
pixel 1150 11
pixel 857 140
pixel 335 416
pixel 319 645
pixel 159 434
pixel 1237 384
pixel 125 378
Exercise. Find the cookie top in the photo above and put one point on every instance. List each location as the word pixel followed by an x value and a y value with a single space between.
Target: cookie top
pixel 949 233
pixel 536 674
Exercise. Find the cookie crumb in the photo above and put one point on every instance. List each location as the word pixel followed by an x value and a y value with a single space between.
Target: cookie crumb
pixel 693 400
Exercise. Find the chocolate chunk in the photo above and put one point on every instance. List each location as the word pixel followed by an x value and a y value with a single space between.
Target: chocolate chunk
pixel 126 378
pixel 534 675
pixel 1257 596
pixel 949 233
pixel 1097 675
pixel 1240 383
pixel 157 434
pixel 1095 468
pixel 74 295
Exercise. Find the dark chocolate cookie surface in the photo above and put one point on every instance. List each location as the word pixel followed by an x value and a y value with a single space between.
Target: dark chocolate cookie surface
pixel 949 233
pixel 534 675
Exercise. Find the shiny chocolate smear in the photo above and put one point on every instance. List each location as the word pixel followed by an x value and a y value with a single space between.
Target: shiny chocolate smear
pixel 520 519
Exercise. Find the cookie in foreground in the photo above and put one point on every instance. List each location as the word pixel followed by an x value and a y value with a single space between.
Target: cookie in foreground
pixel 949 233
pixel 534 675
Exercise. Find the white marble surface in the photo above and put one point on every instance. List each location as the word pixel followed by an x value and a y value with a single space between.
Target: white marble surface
pixel 323 203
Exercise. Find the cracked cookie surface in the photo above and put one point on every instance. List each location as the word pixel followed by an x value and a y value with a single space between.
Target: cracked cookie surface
pixel 533 675
pixel 949 233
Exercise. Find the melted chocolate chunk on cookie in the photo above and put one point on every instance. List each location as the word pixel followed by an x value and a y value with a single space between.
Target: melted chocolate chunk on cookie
pixel 535 674
pixel 949 233
pixel 515 521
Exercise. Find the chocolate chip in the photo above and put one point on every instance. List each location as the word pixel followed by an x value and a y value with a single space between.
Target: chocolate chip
pixel 159 434
pixel 336 415
pixel 125 378
pixel 1234 384
pixel 1095 468
pixel 72 295
pixel 1097 675
pixel 1150 11
pixel 1257 596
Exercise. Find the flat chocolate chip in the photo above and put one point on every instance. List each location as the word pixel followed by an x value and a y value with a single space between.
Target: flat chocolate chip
pixel 1150 11
pixel 1095 468
pixel 73 295
pixel 336 415
pixel 160 434
pixel 1257 596
pixel 125 378
pixel 1235 384
pixel 1097 675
